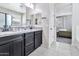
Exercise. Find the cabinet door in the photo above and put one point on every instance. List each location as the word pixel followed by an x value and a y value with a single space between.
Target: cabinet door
pixel 4 50
pixel 18 47
pixel 29 38
pixel 38 38
pixel 29 49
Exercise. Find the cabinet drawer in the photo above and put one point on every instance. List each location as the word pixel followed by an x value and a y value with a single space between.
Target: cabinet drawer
pixel 7 39
pixel 38 39
pixel 38 32
pixel 4 50
pixel 13 46
pixel 29 37
pixel 29 49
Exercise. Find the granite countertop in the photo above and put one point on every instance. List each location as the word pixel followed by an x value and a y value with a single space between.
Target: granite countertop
pixel 8 33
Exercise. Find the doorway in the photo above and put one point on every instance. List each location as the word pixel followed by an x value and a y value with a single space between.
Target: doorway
pixel 63 22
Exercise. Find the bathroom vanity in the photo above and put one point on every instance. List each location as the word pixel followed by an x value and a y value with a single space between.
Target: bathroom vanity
pixel 20 43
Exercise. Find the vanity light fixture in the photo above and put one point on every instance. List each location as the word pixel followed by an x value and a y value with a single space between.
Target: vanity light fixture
pixel 30 5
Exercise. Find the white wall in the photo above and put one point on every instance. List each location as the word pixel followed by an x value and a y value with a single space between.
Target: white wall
pixel 64 10
pixel 68 23
pixel 64 22
pixel 75 23
pixel 47 10
pixel 29 17
pixel 51 25
pixel 44 7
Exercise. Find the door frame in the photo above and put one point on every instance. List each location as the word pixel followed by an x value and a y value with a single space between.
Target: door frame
pixel 55 24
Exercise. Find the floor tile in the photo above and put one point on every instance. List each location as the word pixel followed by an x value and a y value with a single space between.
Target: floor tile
pixel 61 49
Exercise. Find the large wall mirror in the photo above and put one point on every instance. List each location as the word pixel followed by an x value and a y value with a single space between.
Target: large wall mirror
pixel 7 20
pixel 2 20
pixel 16 21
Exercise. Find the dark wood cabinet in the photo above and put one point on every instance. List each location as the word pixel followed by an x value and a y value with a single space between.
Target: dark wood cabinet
pixel 5 50
pixel 29 38
pixel 29 43
pixel 32 41
pixel 29 49
pixel 38 39
pixel 18 46
pixel 14 46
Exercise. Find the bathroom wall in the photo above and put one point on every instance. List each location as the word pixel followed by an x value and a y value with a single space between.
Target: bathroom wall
pixel 44 8
pixel 75 24
pixel 63 13
pixel 52 29
pixel 68 23
pixel 47 13
pixel 64 22
pixel 61 8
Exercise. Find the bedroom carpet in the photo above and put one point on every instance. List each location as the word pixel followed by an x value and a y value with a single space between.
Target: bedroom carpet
pixel 64 40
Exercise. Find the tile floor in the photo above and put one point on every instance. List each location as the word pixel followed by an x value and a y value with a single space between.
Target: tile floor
pixel 64 40
pixel 61 49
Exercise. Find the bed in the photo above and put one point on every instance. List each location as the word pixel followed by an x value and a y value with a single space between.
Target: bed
pixel 64 33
